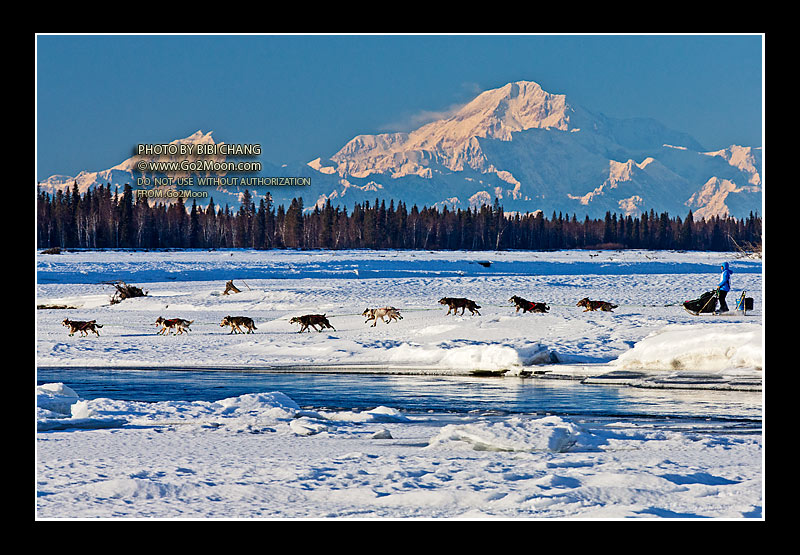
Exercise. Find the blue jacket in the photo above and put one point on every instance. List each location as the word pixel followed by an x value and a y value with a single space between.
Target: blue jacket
pixel 725 278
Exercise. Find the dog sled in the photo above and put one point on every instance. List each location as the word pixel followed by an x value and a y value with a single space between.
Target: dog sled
pixel 704 304
pixel 707 303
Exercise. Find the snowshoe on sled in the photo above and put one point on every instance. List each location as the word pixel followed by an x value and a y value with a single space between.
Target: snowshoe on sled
pixel 707 303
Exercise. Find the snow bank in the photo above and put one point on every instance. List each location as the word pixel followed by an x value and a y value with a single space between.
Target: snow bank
pixel 273 405
pixel 550 433
pixel 58 407
pixel 477 357
pixel 708 347
pixel 378 414
pixel 55 398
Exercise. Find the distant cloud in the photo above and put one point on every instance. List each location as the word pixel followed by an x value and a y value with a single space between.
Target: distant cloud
pixel 472 89
pixel 422 117
pixel 418 119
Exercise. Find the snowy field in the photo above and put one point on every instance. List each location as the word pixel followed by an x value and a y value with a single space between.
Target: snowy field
pixel 261 455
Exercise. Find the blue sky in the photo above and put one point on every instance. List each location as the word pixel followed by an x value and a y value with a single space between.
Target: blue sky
pixel 303 97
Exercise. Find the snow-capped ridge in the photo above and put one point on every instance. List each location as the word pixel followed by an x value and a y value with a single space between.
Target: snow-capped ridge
pixel 711 199
pixel 126 171
pixel 742 158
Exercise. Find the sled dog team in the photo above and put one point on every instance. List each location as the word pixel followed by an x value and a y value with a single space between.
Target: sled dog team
pixel 319 322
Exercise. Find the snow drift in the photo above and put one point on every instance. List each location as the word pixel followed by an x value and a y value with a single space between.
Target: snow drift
pixel 708 347
pixel 550 433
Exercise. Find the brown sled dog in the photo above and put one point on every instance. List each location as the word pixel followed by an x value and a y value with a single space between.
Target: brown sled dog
pixel 83 327
pixel 454 303
pixel 595 305
pixel 176 325
pixel 237 322
pixel 528 306
pixel 312 320
pixel 389 312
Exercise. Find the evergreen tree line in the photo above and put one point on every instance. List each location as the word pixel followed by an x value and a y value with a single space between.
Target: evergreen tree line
pixel 101 219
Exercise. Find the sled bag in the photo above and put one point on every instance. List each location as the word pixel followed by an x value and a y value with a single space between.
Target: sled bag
pixel 746 305
pixel 706 303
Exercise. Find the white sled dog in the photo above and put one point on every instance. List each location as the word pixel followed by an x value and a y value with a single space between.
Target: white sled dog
pixel 389 312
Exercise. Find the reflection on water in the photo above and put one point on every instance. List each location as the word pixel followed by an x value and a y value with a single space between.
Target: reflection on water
pixel 455 394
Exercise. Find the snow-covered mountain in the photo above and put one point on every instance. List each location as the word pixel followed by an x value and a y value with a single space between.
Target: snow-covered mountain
pixel 126 171
pixel 530 149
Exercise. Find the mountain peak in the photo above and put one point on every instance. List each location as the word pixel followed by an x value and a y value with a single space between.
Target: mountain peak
pixel 451 141
pixel 497 113
pixel 197 138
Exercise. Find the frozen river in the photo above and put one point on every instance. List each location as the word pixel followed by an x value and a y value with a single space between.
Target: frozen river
pixel 699 409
